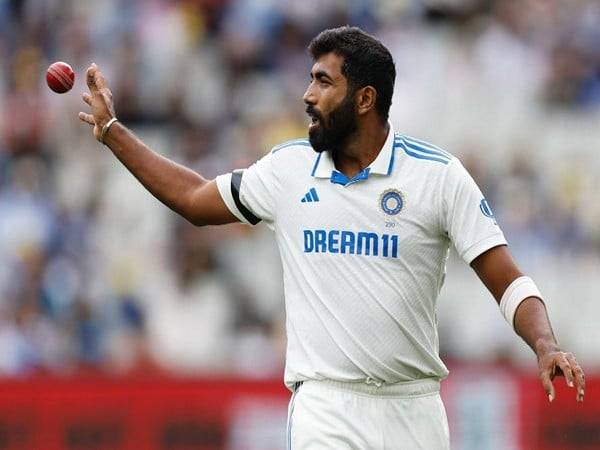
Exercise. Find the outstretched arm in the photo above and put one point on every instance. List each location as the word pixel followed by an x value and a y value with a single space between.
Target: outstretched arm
pixel 181 189
pixel 497 271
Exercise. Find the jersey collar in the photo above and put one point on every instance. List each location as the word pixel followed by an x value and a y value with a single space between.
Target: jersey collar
pixel 383 164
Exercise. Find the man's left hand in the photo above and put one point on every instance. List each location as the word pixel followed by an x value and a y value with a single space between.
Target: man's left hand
pixel 555 362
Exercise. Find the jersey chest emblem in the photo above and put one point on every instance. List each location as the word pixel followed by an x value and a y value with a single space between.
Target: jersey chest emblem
pixel 391 202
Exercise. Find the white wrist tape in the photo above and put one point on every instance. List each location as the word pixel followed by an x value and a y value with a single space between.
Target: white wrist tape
pixel 516 292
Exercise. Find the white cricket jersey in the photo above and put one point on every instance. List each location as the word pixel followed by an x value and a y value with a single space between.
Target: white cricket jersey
pixel 364 258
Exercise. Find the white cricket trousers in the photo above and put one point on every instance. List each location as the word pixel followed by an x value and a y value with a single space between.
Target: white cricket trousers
pixel 359 416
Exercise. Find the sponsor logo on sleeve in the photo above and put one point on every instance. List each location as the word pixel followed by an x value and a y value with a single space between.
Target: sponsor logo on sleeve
pixel 486 210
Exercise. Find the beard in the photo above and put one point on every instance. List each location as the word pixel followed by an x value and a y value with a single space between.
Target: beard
pixel 333 131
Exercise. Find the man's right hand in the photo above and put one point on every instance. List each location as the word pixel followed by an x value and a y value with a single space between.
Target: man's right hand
pixel 99 99
pixel 181 189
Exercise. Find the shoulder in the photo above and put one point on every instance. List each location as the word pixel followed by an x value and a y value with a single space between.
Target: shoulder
pixel 422 152
pixel 291 156
pixel 300 144
pixel 286 158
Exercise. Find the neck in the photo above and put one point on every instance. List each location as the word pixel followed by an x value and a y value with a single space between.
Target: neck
pixel 361 149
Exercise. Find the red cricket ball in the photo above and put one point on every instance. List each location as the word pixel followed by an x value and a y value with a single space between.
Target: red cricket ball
pixel 60 77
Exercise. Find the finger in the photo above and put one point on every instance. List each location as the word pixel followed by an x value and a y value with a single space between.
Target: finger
pixel 579 377
pixel 90 76
pixel 87 98
pixel 87 118
pixel 99 78
pixel 564 365
pixel 547 384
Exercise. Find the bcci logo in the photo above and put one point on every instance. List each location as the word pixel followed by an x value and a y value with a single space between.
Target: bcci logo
pixel 391 201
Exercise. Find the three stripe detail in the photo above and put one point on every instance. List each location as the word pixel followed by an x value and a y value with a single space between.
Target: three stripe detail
pixel 421 150
pixel 310 196
pixel 292 143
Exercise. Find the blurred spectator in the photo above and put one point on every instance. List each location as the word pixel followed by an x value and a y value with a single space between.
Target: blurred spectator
pixel 94 274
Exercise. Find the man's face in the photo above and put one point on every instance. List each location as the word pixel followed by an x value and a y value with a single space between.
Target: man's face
pixel 330 105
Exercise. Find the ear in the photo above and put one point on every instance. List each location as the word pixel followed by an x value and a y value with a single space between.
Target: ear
pixel 365 99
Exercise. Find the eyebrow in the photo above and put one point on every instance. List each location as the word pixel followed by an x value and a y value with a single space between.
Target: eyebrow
pixel 320 74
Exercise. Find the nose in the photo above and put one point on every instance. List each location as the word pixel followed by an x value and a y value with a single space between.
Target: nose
pixel 309 96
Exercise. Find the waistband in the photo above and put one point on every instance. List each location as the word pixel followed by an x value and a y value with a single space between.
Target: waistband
pixel 414 388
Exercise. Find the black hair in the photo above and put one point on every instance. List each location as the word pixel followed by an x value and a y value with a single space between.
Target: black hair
pixel 367 62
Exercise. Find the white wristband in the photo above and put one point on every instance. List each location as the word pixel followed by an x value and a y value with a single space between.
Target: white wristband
pixel 516 292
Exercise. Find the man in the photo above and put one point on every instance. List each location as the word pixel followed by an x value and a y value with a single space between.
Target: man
pixel 363 218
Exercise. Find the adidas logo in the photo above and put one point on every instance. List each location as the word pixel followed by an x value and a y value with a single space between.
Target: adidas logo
pixel 310 196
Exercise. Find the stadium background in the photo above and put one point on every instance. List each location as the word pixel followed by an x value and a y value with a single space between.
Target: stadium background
pixel 121 326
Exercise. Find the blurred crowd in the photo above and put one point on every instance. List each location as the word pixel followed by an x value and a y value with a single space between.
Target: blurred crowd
pixel 96 274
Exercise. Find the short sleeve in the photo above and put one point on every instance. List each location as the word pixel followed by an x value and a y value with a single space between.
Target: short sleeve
pixel 468 218
pixel 249 193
